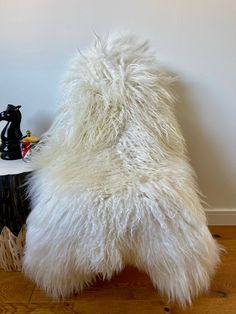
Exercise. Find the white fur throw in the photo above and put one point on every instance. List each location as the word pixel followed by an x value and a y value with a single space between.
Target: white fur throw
pixel 113 185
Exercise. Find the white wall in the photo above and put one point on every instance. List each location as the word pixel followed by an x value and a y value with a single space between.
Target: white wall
pixel 195 39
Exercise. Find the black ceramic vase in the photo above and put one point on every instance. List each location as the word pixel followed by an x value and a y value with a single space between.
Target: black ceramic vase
pixel 11 134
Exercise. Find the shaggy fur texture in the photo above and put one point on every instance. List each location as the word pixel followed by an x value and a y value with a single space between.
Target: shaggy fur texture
pixel 113 185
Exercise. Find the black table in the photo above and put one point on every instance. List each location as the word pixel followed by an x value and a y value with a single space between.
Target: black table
pixel 14 209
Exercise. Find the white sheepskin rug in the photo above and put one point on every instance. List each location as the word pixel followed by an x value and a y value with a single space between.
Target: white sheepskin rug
pixel 113 185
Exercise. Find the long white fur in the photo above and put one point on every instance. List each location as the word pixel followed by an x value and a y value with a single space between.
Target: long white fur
pixel 113 185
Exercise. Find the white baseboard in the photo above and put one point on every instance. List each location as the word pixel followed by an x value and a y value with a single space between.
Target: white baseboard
pixel 220 216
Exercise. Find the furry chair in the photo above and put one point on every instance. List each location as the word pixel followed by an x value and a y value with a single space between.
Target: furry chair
pixel 113 185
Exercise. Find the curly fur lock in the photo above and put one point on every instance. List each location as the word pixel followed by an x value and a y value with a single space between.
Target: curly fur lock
pixel 113 185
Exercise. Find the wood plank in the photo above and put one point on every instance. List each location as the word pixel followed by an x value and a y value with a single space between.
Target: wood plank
pixel 45 308
pixel 14 287
pixel 223 232
pixel 119 307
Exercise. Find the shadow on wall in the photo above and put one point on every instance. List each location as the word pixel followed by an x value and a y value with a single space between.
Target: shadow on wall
pixel 212 174
pixel 41 121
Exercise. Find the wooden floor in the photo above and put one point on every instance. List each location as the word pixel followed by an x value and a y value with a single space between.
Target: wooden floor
pixel 129 292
